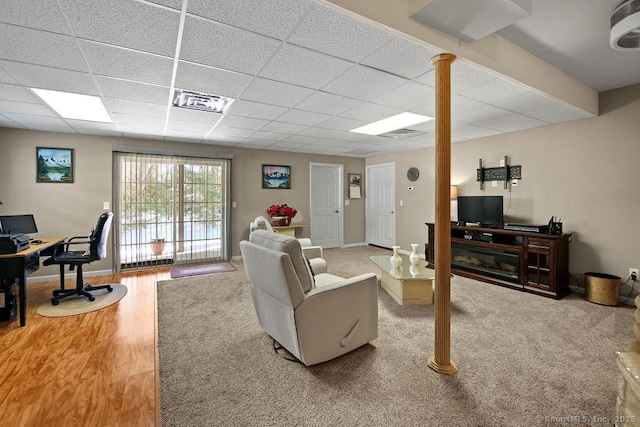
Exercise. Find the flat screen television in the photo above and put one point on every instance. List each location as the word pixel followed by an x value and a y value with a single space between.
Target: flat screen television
pixel 486 210
pixel 18 224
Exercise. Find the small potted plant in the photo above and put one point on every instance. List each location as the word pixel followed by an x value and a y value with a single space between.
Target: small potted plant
pixel 281 214
pixel 157 246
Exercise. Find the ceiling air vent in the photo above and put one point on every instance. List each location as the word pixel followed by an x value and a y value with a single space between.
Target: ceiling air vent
pixel 202 101
pixel 401 133
pixel 625 26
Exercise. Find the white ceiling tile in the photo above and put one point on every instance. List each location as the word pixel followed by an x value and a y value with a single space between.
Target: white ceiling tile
pixel 363 83
pixel 425 109
pixel 40 14
pixel 349 136
pixel 139 121
pixel 523 102
pixel 319 132
pixel 40 47
pixel 5 77
pixel 285 146
pixel 304 67
pixel 11 125
pixel 493 90
pixel 141 132
pixel 17 93
pixel 180 136
pixel 479 114
pixel 369 112
pixel 46 128
pixel 501 122
pixel 300 117
pixel 463 76
pixel 460 103
pixel 136 108
pixel 253 143
pixel 340 123
pixel 288 128
pixel 269 136
pixel 125 23
pixel 242 122
pixel 327 103
pixel 25 108
pixel 426 127
pixel 407 96
pixel 222 139
pixel 209 80
pixel 173 4
pixel 85 125
pixel 331 142
pixel 218 45
pixel 532 123
pixel 192 127
pixel 329 31
pixel 99 132
pixel 256 110
pixel 30 120
pixel 222 131
pixel 302 139
pixel 272 92
pixel 133 91
pixel 38 76
pixel 274 18
pixel 463 130
pixel 402 57
pixel 195 116
pixel 127 64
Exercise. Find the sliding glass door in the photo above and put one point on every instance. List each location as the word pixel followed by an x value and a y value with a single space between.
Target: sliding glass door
pixel 170 209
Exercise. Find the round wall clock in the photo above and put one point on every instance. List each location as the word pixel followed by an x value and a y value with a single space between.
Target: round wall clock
pixel 413 174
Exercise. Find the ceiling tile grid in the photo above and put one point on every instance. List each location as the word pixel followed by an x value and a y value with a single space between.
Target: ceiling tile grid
pixel 302 75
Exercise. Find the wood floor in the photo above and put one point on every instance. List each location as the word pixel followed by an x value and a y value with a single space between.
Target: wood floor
pixel 94 369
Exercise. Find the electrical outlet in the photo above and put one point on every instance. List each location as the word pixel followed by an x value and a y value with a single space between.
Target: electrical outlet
pixel 635 271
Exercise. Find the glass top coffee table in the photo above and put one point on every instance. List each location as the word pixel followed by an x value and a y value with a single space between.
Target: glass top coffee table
pixel 408 284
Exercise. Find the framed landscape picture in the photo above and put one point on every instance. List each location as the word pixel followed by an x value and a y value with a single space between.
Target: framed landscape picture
pixel 276 176
pixel 54 165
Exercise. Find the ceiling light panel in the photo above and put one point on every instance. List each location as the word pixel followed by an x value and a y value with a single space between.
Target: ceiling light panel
pixel 74 106
pixel 389 124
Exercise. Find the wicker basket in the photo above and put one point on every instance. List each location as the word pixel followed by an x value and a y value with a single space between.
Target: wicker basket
pixel 602 288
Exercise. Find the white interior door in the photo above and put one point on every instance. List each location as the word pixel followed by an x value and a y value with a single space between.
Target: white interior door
pixel 326 204
pixel 380 202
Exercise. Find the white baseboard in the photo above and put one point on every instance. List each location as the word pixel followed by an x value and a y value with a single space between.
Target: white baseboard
pixel 72 275
pixel 236 258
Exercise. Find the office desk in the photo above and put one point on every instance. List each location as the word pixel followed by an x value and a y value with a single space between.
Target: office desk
pixel 20 265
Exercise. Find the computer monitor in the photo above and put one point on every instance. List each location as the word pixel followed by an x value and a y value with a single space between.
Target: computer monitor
pixel 18 224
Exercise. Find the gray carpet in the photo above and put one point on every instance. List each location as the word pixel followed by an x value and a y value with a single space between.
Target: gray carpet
pixel 520 357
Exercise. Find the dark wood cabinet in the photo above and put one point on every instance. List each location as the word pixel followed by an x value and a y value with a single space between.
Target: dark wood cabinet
pixel 531 262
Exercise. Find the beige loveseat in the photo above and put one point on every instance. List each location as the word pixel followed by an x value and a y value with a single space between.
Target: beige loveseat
pixel 316 318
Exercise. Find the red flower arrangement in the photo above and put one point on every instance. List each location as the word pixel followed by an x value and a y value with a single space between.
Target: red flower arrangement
pixel 281 210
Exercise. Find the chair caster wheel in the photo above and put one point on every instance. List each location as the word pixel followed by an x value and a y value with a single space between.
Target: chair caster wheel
pixel 91 298
pixel 54 301
pixel 109 289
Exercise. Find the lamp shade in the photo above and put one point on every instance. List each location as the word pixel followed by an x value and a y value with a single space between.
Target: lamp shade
pixel 454 191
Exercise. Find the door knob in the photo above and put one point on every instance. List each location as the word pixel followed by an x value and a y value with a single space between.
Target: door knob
pixel 391 212
pixel 337 211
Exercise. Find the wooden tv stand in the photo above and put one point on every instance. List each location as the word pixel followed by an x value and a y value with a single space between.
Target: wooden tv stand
pixel 530 262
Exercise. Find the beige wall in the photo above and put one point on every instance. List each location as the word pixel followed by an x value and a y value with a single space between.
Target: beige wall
pixel 72 209
pixel 587 172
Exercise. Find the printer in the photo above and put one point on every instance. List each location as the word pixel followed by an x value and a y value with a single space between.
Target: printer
pixel 13 243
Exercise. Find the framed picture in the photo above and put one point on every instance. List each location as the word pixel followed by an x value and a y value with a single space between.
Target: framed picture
pixel 276 176
pixel 355 189
pixel 54 165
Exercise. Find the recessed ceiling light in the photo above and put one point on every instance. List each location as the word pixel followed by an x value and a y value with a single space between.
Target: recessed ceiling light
pixel 74 105
pixel 202 101
pixel 398 121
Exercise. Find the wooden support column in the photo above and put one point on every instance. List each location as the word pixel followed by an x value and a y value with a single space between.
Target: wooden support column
pixel 441 361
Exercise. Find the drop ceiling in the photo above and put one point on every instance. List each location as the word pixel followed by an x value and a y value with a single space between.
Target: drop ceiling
pixel 302 73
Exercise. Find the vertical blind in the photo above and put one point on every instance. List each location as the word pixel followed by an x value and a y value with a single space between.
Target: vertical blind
pixel 170 209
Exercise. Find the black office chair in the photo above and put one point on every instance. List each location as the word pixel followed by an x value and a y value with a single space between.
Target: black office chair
pixel 97 249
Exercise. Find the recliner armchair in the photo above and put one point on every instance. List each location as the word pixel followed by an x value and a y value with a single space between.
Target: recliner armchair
pixel 95 249
pixel 316 318
pixel 313 253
